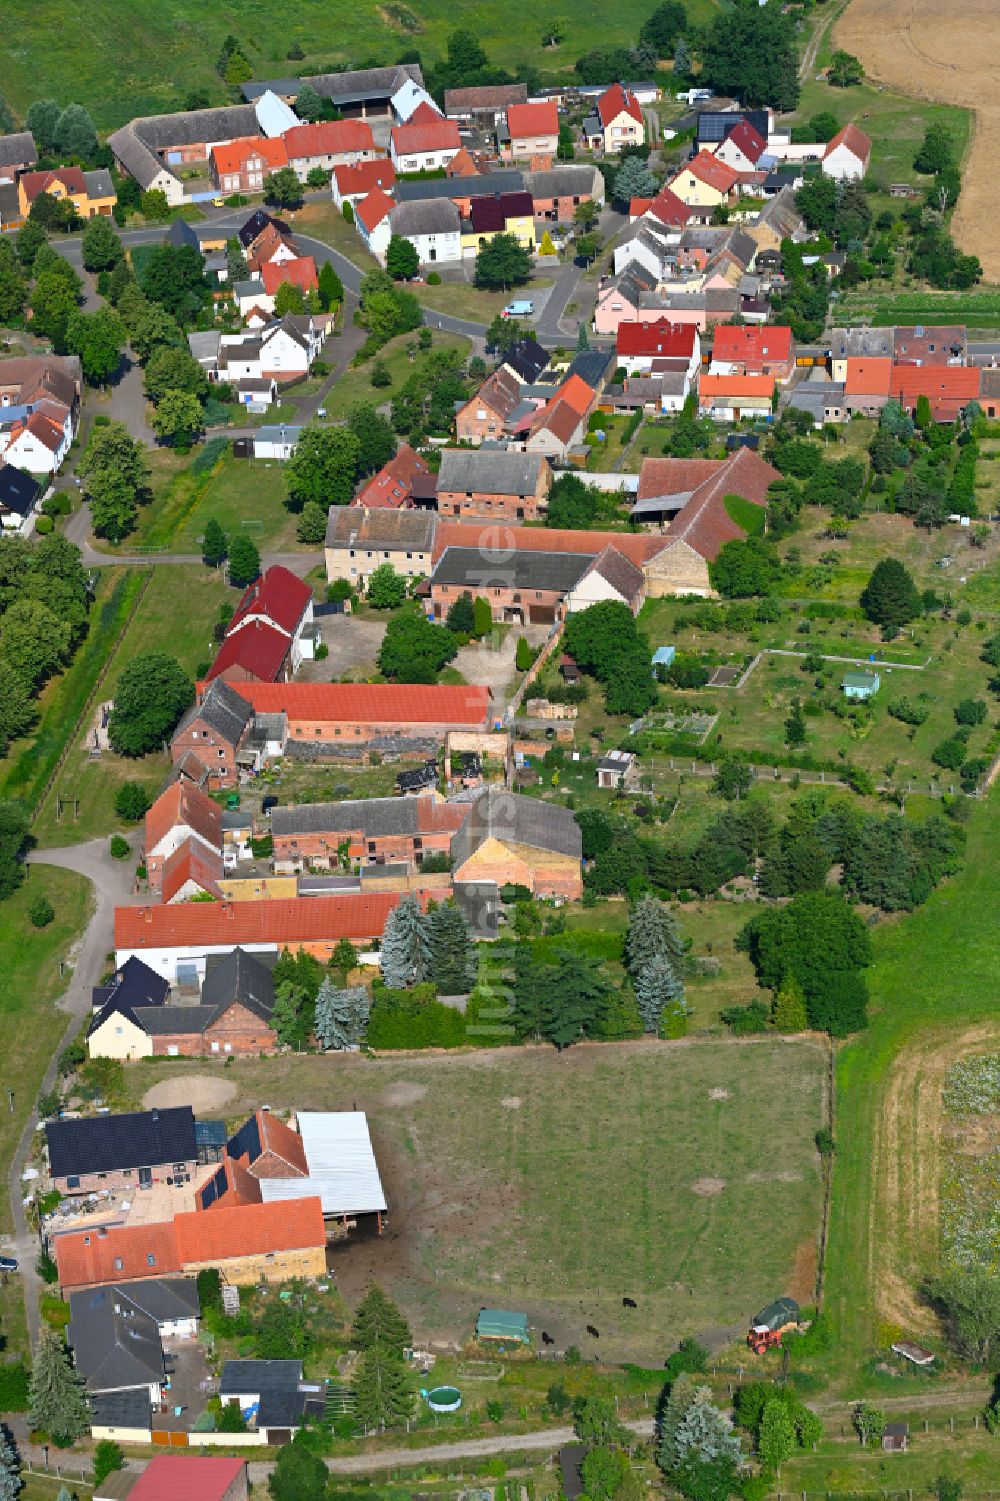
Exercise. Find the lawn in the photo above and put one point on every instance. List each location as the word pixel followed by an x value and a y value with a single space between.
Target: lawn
pixel 355 385
pixel 241 494
pixel 689 1182
pixel 461 299
pixel 176 614
pixel 933 989
pixel 141 58
pixel 30 1025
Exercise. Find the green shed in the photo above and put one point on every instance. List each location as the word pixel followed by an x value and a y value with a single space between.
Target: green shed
pixel 501 1324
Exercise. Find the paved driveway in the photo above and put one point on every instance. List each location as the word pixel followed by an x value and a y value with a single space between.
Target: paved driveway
pixel 353 641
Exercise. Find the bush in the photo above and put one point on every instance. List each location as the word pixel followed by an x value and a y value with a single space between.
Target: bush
pixel 43 525
pixel 40 911
pixel 744 1020
pixel 120 847
pixel 132 801
pixel 14 1388
pixel 433 279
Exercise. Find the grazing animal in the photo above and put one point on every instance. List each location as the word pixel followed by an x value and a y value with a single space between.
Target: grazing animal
pixel 547 1339
pixel 629 1303
pixel 592 1331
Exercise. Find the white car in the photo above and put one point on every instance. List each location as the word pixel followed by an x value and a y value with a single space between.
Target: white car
pixel 321 411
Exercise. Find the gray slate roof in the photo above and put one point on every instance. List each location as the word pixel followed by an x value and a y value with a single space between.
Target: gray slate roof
pixel 375 817
pixel 517 820
pixel 254 1377
pixel 380 529
pixel 862 343
pixel 129 1409
pixel 18 149
pixel 99 184
pixel 489 473
pixel 242 977
pixel 204 343
pixel 355 85
pixel 223 710
pixel 568 181
pixel 115 1343
pixel 479 567
pixel 432 216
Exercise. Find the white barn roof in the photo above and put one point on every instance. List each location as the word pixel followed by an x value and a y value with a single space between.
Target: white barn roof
pixel 341 1162
pixel 274 116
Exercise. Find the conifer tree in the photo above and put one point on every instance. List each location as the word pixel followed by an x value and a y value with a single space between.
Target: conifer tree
pixel 341 1015
pixel 652 933
pixel 379 1322
pixel 658 990
pixel 383 1395
pixel 405 954
pixel 11 1483
pixel 213 544
pixel 452 958
pixel 56 1398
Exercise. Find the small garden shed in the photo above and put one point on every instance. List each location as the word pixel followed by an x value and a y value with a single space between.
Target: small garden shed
pixel 501 1325
pixel 861 685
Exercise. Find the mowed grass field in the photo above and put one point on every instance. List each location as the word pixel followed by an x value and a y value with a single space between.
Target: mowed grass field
pixel 682 1175
pixel 140 57
pixel 933 999
pixel 176 614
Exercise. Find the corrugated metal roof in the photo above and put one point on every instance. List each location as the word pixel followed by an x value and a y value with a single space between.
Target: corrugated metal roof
pixel 342 1166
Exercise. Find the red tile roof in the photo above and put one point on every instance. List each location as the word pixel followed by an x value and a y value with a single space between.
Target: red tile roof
pixel 328 138
pixel 250 1230
pixel 735 385
pixel 525 120
pixel 363 177
pixel 280 1139
pixel 87 1256
pixel 669 209
pixel 183 804
pixel 413 140
pixel 294 920
pixel 617 101
pixel 497 535
pixel 186 1477
pixel 704 523
pixel 674 476
pixel 462 165
pixel 191 861
pixel 257 648
pixel 373 209
pixel 671 340
pixel 393 485
pixel 753 344
pixel 854 139
pixel 277 594
pixel 424 114
pixel 437 817
pixel 577 394
pixel 557 417
pixel 750 141
pixel 868 376
pixel 241 1187
pixel 300 271
pixel 947 387
pixel 708 169
pixel 34 183
pixel 232 156
pixel 370 703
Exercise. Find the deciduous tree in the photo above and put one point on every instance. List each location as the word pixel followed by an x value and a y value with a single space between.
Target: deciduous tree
pixel 153 692
pixel 99 339
pixel 386 588
pixel 102 249
pixel 324 467
pixel 244 561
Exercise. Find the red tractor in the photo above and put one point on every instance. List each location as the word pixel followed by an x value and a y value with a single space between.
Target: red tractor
pixel 771 1323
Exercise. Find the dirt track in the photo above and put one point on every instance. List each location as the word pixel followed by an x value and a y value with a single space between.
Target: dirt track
pixel 950 54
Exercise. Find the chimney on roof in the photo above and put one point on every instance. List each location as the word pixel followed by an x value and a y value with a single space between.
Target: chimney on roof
pixel 147 913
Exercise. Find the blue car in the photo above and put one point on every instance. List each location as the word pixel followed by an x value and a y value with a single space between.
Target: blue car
pixel 8 1264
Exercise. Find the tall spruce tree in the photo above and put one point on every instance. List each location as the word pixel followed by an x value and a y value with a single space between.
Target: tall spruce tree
pixel 341 1015
pixel 11 1483
pixel 653 934
pixel 452 957
pixel 382 1391
pixel 378 1321
pixel 405 956
pixel 56 1396
pixel 658 991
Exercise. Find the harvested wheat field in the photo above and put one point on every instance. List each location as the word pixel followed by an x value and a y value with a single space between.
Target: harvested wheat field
pixel 950 54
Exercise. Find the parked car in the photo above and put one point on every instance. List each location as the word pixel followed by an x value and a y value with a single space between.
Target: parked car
pixel 522 307
pixel 8 1264
pixel 269 802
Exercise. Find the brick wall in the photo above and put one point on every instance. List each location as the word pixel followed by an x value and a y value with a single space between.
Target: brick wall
pixel 294 853
pixel 218 755
pixel 122 1180
pixel 471 428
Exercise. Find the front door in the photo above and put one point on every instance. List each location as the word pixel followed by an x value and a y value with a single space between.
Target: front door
pixel 145 1177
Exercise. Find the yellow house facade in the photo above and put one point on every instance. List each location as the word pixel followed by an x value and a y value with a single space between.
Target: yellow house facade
pixel 91 193
pixel 522 228
pixel 119 1037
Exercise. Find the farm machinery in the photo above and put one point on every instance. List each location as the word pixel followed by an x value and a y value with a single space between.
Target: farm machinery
pixel 767 1328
